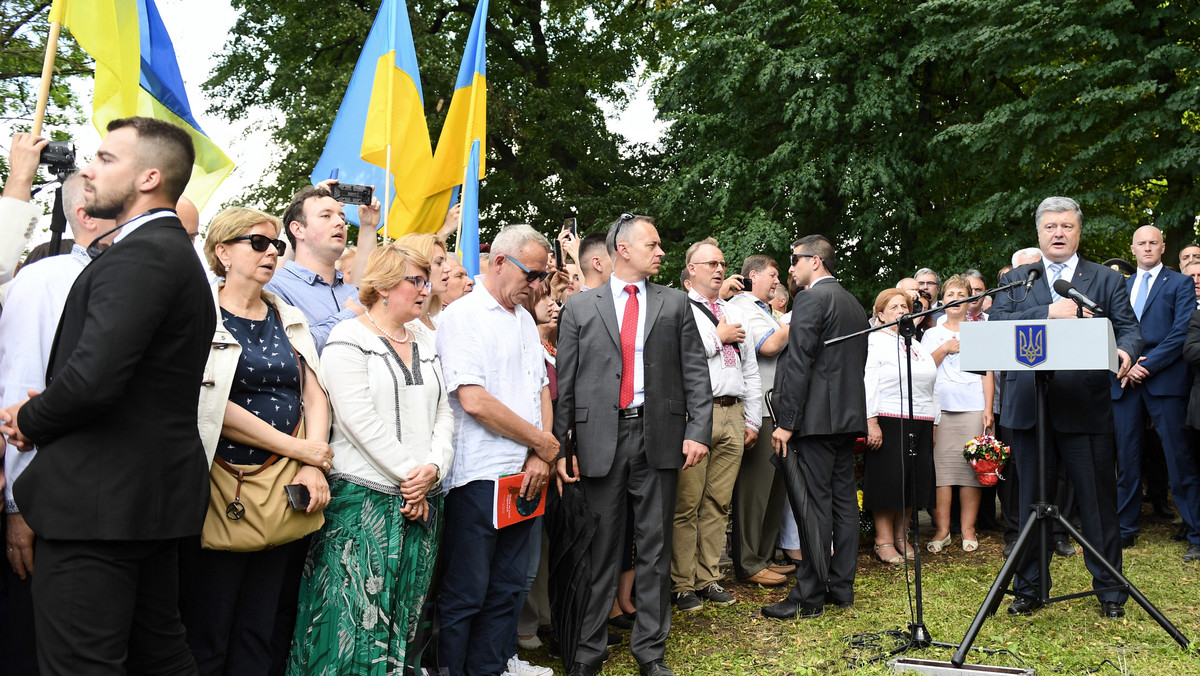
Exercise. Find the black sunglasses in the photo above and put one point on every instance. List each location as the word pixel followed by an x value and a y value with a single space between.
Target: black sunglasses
pixel 796 257
pixel 260 243
pixel 530 275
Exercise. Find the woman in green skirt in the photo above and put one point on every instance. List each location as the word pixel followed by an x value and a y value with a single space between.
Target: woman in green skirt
pixel 368 569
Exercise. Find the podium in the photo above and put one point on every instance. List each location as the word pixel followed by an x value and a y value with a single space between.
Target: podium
pixel 1044 346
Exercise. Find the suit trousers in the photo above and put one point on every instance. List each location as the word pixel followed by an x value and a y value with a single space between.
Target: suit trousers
pixel 827 462
pixel 485 576
pixel 758 502
pixel 1168 414
pixel 1089 461
pixel 703 500
pixel 18 646
pixel 228 602
pixel 631 483
pixel 109 607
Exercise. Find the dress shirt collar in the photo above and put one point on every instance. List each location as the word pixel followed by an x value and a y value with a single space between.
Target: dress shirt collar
pixel 140 220
pixel 697 296
pixel 1068 272
pixel 308 276
pixel 820 279
pixel 1141 274
pixel 618 285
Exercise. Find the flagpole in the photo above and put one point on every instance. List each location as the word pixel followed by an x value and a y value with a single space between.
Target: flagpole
pixel 47 73
pixel 387 190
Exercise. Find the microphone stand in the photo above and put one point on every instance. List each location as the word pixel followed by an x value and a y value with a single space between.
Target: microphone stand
pixel 907 328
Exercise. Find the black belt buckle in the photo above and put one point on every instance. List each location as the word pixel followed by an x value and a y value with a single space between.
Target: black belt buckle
pixel 627 413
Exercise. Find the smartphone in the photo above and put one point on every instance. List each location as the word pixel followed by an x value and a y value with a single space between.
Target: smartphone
pixel 349 193
pixel 747 284
pixel 569 224
pixel 297 496
pixel 558 258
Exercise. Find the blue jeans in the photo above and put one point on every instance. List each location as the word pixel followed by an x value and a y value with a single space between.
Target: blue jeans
pixel 486 573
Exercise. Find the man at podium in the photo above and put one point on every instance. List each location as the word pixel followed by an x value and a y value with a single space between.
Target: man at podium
pixel 1080 406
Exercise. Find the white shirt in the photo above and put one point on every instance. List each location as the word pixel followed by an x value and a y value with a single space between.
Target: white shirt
pixel 1139 278
pixel 739 379
pixel 957 390
pixel 620 296
pixel 760 325
pixel 388 419
pixel 886 379
pixel 32 311
pixel 481 343
pixel 140 220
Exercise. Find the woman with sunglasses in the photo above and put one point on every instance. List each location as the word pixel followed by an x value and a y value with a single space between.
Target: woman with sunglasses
pixel 249 408
pixel 369 567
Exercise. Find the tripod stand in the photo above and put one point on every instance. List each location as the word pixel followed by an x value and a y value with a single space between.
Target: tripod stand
pixel 1043 516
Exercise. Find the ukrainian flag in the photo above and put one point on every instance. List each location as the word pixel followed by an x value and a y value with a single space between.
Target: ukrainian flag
pixel 383 107
pixel 468 239
pixel 137 74
pixel 466 121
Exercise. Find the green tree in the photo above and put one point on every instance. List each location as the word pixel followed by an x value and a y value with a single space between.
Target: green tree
pixel 925 133
pixel 549 64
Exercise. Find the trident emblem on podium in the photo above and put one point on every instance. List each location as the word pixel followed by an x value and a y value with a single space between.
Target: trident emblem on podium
pixel 1031 344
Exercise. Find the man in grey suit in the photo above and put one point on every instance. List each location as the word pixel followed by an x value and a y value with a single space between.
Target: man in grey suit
pixel 820 406
pixel 633 383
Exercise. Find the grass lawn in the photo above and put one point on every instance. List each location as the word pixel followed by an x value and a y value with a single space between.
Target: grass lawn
pixel 1068 637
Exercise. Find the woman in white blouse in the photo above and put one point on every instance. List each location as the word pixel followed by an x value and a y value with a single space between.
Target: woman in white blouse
pixel 892 485
pixel 369 568
pixel 966 401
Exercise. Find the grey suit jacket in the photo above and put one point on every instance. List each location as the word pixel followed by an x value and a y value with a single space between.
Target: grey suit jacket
pixel 678 395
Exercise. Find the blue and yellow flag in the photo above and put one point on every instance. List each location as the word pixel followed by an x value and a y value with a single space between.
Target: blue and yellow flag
pixel 468 239
pixel 137 74
pixel 465 130
pixel 383 107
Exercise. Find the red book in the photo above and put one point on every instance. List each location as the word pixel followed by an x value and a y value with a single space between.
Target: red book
pixel 508 507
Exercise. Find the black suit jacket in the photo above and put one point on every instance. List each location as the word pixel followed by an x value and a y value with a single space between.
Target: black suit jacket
pixel 820 390
pixel 1080 401
pixel 678 395
pixel 119 455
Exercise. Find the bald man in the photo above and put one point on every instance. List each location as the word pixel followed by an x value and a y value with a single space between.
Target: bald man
pixel 1158 385
pixel 189 215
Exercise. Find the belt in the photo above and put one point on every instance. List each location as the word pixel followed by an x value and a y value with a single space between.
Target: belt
pixel 626 413
pixel 726 401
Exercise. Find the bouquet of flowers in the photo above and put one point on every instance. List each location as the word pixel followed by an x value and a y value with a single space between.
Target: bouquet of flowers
pixel 987 455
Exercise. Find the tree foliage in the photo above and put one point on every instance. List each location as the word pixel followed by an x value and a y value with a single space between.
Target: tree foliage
pixel 549 64
pixel 925 133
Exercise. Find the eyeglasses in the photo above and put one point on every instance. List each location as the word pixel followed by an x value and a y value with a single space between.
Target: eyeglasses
pixel 260 243
pixel 420 282
pixel 796 257
pixel 530 275
pixel 713 264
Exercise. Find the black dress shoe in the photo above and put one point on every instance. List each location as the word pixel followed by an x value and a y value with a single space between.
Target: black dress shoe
pixel 1192 554
pixel 581 669
pixel 1008 548
pixel 1064 548
pixel 1024 606
pixel 1181 534
pixel 831 600
pixel 789 610
pixel 623 621
pixel 1111 609
pixel 655 668
pixel 614 638
pixel 1127 542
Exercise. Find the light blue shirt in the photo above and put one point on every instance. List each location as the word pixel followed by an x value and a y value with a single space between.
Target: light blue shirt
pixel 323 304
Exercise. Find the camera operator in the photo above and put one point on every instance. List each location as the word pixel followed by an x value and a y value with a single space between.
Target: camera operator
pixel 17 215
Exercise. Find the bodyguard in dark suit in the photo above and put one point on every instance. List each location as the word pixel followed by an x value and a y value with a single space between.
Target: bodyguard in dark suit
pixel 633 383
pixel 1081 418
pixel 1163 301
pixel 120 474
pixel 820 407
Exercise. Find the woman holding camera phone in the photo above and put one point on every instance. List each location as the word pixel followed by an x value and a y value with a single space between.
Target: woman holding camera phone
pixel 249 408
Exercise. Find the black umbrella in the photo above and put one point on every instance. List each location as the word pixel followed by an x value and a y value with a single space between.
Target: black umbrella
pixel 571 527
pixel 807 523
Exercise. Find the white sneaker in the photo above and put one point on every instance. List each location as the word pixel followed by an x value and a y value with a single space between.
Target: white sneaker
pixel 519 667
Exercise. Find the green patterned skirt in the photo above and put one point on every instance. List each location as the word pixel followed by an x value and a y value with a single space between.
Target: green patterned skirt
pixel 364 582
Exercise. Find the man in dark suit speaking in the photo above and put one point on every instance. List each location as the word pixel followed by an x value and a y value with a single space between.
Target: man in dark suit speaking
pixel 820 405
pixel 120 475
pixel 633 383
pixel 1081 413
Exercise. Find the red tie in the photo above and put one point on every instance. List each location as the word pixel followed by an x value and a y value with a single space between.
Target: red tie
pixel 628 345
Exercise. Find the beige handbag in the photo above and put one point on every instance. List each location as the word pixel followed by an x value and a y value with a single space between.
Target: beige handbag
pixel 248 509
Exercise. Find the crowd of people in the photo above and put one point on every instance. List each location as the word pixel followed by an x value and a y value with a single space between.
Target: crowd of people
pixel 289 464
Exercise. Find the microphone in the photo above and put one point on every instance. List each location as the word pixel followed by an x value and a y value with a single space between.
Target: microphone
pixel 1035 273
pixel 1067 290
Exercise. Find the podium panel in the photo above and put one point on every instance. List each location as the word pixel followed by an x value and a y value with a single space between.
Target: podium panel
pixel 1038 345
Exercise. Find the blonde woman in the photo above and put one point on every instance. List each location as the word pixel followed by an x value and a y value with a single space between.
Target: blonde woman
pixel 433 250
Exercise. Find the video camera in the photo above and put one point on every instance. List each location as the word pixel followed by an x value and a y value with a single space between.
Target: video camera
pixel 59 156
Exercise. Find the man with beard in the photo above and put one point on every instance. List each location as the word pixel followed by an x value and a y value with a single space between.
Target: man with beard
pixel 120 476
